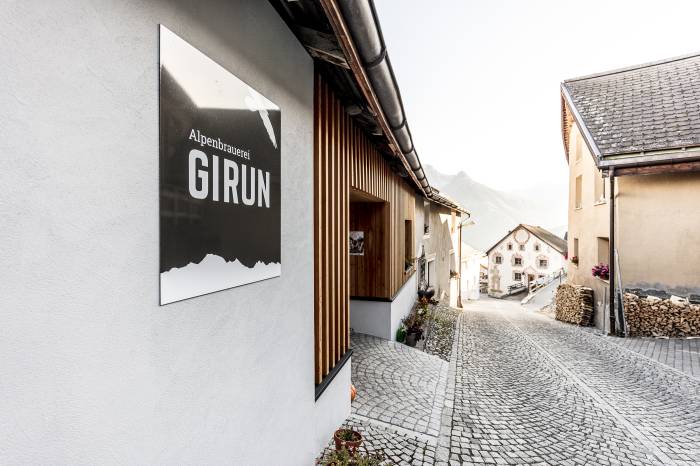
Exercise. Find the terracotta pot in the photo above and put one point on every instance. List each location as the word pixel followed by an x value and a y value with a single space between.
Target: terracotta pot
pixel 350 445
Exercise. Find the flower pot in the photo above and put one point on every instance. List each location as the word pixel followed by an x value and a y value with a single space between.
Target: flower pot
pixel 350 445
pixel 413 336
pixel 428 293
pixel 411 339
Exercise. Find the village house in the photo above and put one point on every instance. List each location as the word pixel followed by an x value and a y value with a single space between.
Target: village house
pixel 526 254
pixel 632 141
pixel 437 246
pixel 111 361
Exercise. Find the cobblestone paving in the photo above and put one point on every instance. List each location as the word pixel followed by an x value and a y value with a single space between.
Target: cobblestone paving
pixel 396 447
pixel 400 396
pixel 682 354
pixel 528 390
pixel 397 384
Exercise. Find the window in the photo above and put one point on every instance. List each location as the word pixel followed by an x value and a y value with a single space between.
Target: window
pixel 498 259
pixel 431 273
pixel 517 276
pixel 603 251
pixel 510 247
pixel 521 247
pixel 543 263
pixel 578 203
pixel 517 261
pixel 537 247
pixel 574 257
pixel 599 192
pixel 408 244
pixel 426 218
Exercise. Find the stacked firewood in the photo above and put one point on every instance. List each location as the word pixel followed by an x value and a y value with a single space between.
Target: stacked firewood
pixel 652 316
pixel 574 304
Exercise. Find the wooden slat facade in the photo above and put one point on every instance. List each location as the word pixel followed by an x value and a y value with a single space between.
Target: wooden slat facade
pixel 346 161
pixel 331 208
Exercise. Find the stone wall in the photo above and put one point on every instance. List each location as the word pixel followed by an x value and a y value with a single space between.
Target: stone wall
pixel 652 316
pixel 574 304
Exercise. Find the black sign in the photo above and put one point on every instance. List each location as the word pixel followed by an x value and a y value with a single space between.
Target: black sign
pixel 219 176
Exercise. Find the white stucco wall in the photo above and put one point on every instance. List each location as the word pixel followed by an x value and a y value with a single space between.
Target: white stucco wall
pixel 469 276
pixel 94 371
pixel 334 400
pixel 530 264
pixel 382 318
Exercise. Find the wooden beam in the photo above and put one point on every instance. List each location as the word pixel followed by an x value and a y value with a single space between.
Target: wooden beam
pixel 680 167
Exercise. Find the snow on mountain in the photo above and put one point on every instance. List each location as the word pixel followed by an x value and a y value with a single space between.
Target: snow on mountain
pixel 213 273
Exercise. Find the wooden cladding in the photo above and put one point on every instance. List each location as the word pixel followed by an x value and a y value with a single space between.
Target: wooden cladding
pixel 370 173
pixel 352 181
pixel 331 217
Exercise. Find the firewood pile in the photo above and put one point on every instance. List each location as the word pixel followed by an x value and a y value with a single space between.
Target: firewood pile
pixel 655 317
pixel 574 304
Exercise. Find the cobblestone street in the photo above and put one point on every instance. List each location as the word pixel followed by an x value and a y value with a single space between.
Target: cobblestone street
pixel 530 390
pixel 521 388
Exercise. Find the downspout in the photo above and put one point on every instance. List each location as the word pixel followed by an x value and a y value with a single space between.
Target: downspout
pixel 459 270
pixel 611 266
pixel 361 19
pixel 459 280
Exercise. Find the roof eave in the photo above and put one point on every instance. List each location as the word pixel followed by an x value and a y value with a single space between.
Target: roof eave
pixel 342 32
pixel 649 158
pixel 578 119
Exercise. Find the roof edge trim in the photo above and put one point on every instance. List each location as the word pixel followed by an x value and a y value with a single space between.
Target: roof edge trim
pixel 587 136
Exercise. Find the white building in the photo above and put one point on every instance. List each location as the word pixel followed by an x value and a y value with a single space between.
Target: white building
pixel 525 254
pixel 470 273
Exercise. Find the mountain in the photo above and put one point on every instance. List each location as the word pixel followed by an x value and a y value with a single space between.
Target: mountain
pixel 497 212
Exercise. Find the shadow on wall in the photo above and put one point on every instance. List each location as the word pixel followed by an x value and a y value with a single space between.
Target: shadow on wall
pixel 437 247
pixel 271 65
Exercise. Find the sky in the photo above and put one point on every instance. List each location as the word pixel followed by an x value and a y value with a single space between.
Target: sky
pixel 480 79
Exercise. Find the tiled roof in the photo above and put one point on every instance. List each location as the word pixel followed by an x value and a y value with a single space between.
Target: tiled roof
pixel 548 237
pixel 654 106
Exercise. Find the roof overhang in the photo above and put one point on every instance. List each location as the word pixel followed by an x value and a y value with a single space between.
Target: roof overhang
pixel 342 44
pixel 671 160
pixel 571 114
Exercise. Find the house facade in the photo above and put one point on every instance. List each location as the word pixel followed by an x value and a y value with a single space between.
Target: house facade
pixel 96 360
pixel 634 178
pixel 473 267
pixel 437 248
pixel 527 253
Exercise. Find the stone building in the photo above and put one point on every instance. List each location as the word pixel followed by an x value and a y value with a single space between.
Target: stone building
pixel 632 141
pixel 527 253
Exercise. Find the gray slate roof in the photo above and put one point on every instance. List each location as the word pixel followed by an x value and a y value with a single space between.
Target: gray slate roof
pixel 654 106
pixel 548 237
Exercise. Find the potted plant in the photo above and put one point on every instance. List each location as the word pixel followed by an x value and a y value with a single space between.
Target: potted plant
pixel 454 274
pixel 409 264
pixel 347 439
pixel 427 292
pixel 601 271
pixel 344 458
pixel 414 328
pixel 401 333
pixel 574 260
